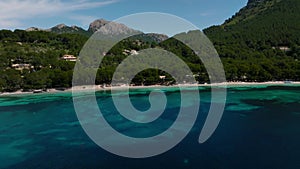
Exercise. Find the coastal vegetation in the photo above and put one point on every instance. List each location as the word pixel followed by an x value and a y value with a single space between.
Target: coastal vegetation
pixel 259 43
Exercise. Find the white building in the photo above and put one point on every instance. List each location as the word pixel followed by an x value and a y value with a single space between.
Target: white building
pixel 70 58
pixel 130 52
pixel 21 66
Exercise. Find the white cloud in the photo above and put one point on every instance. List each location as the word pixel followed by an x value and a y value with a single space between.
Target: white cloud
pixel 13 12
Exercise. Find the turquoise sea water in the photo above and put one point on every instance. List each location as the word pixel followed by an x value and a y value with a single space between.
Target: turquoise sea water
pixel 260 128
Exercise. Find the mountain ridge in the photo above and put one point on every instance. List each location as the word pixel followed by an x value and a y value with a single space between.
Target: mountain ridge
pixel 253 8
pixel 277 24
pixel 113 28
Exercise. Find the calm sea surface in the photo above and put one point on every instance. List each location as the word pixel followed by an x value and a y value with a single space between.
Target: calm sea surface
pixel 260 128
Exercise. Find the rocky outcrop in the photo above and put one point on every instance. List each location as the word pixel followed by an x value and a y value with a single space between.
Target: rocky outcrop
pixel 158 37
pixel 97 24
pixel 34 29
pixel 62 28
pixel 110 28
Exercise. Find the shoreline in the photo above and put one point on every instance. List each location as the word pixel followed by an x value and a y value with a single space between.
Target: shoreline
pixel 99 88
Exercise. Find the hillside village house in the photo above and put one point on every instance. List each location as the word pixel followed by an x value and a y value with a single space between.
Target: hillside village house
pixel 162 77
pixel 130 52
pixel 284 48
pixel 21 66
pixel 70 58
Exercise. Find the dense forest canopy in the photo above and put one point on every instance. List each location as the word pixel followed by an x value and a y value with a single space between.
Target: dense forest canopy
pixel 261 41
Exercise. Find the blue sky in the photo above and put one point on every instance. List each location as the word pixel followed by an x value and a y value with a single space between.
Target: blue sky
pixel 21 14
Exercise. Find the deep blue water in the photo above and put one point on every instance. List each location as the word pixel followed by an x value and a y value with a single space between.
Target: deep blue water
pixel 260 128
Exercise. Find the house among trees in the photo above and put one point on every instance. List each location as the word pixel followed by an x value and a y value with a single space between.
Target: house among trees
pixel 130 52
pixel 21 66
pixel 70 58
pixel 162 77
pixel 134 52
pixel 284 48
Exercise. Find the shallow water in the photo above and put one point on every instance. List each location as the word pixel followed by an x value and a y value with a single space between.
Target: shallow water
pixel 260 128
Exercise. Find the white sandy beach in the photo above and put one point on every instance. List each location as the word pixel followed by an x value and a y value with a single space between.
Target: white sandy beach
pixel 100 88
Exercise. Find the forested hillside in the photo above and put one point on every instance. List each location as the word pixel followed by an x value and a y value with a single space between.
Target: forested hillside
pixel 261 41
pixel 40 59
pixel 31 60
